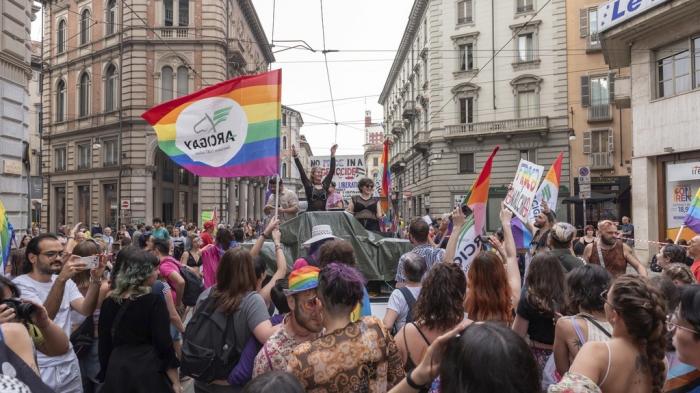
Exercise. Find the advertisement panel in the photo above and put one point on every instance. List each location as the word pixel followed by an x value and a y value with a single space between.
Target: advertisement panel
pixel 682 182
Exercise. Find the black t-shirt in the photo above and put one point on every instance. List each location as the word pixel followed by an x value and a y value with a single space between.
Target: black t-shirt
pixel 541 325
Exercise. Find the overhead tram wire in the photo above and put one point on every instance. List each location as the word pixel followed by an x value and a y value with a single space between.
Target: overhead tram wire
pixel 328 74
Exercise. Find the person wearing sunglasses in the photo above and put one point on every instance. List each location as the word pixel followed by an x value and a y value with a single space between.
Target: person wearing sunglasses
pixel 303 323
pixel 316 188
pixel 365 207
pixel 684 324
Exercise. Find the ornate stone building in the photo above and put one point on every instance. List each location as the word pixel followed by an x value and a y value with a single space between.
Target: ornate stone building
pixel 105 62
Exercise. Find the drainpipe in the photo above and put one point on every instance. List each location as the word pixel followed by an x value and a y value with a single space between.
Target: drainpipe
pixel 493 52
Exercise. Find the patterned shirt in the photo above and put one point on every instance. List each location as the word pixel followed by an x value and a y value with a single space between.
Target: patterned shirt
pixel 362 357
pixel 431 254
pixel 574 383
pixel 276 351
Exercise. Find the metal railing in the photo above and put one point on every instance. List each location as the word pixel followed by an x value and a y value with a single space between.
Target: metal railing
pixel 593 41
pixel 599 112
pixel 494 127
pixel 602 160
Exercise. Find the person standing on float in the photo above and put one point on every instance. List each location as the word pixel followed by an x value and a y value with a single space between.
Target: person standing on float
pixel 316 188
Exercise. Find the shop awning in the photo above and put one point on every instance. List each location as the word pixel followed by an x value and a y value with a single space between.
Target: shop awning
pixel 596 197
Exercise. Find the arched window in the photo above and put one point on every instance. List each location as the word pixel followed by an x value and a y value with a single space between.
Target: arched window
pixel 284 143
pixel 85 27
pixel 166 83
pixel 284 169
pixel 111 17
pixel 61 101
pixel 111 88
pixel 182 81
pixel 61 45
pixel 84 95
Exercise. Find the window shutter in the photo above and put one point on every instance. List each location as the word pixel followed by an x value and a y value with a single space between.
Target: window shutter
pixel 585 91
pixel 611 86
pixel 583 20
pixel 611 142
pixel 587 142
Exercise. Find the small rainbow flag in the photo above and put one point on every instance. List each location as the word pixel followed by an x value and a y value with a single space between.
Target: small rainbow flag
pixel 480 194
pixel 386 189
pixel 692 220
pixel 5 236
pixel 231 129
pixel 549 189
pixel 521 234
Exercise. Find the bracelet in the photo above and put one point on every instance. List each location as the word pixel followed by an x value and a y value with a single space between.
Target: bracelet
pixel 278 247
pixel 96 280
pixel 412 383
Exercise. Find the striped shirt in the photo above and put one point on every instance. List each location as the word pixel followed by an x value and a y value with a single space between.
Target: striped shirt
pixel 431 254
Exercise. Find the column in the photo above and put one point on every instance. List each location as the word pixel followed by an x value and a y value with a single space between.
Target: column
pixel 259 195
pixel 251 201
pixel 242 199
pixel 231 202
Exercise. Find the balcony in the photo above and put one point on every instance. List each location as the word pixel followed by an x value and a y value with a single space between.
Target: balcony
pixel 599 112
pixel 421 141
pixel 397 127
pixel 623 87
pixel 508 127
pixel 409 109
pixel 170 33
pixel 593 43
pixel 602 160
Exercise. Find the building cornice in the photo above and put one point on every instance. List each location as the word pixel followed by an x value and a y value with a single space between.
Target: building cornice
pixel 414 18
pixel 253 21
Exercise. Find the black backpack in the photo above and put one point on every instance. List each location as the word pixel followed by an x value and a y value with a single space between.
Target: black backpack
pixel 410 302
pixel 193 286
pixel 209 344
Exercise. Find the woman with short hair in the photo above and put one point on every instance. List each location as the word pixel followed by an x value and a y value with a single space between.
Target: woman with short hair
pixel 365 207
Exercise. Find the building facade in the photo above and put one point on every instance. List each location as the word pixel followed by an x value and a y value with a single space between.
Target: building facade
pixel 374 148
pixel 34 133
pixel 105 63
pixel 292 121
pixel 448 101
pixel 15 74
pixel 661 46
pixel 602 127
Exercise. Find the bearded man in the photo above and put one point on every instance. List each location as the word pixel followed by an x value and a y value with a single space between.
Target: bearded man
pixel 612 253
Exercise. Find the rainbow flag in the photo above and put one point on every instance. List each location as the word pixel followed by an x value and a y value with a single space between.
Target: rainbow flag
pixel 521 234
pixel 231 129
pixel 389 219
pixel 549 189
pixel 692 220
pixel 6 235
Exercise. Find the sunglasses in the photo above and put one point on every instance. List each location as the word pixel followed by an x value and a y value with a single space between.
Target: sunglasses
pixel 311 303
pixel 672 324
pixel 53 254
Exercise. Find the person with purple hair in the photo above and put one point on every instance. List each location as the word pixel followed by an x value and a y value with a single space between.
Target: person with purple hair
pixel 375 365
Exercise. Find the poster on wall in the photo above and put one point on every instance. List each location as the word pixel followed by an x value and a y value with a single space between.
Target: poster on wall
pixel 682 182
pixel 348 172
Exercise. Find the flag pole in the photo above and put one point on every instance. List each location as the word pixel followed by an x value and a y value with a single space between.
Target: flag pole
pixel 678 235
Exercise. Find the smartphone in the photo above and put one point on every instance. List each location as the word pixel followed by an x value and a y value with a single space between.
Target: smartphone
pixel 91 262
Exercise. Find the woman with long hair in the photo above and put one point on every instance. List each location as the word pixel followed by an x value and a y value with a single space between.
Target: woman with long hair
pixel 540 305
pixel 439 308
pixel 135 349
pixel 351 356
pixel 684 325
pixel 235 296
pixel 193 256
pixel 587 321
pixel 634 359
pixel 212 254
pixel 316 188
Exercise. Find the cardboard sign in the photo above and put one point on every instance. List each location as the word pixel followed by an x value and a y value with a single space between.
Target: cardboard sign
pixel 521 196
pixel 348 172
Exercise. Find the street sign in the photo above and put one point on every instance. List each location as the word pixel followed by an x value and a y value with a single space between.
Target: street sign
pixel 584 175
pixel 125 204
pixel 584 195
pixel 584 190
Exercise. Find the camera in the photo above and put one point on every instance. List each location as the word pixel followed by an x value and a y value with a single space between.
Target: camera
pixel 23 311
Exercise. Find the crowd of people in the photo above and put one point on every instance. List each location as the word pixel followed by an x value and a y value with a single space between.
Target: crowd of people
pixel 150 307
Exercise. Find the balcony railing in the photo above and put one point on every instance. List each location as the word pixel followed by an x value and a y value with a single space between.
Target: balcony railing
pixel 600 112
pixel 593 42
pixel 409 108
pixel 497 127
pixel 397 127
pixel 600 160
pixel 175 32
pixel 421 140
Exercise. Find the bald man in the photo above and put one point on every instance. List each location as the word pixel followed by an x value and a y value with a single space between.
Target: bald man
pixel 694 252
pixel 611 253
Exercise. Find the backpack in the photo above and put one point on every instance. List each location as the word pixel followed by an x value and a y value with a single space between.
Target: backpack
pixel 209 344
pixel 193 286
pixel 410 302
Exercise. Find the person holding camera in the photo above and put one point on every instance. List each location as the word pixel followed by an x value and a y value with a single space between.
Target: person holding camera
pixel 48 281
pixel 22 322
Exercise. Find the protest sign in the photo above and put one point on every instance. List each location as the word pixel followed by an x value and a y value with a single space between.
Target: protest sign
pixel 520 197
pixel 348 172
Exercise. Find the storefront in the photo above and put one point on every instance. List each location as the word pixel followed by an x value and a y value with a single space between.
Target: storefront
pixel 610 200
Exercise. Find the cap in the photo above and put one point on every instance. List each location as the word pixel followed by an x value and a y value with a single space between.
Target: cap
pixel 302 279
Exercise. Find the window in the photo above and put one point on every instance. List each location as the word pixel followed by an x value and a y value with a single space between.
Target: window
pixel 524 5
pixel 593 26
pixel 284 143
pixel 84 95
pixel 84 203
pixel 183 12
pixel 61 44
pixel 528 155
pixel 525 47
pixel 696 50
pixel 85 27
pixel 466 57
pixel 60 193
pixel 464 11
pixel 375 161
pixel 425 31
pixel 284 169
pixel 466 110
pixel 527 104
pixel 599 145
pixel 109 204
pixel 182 81
pixel 84 156
pixel 111 17
pixel 111 88
pixel 183 176
pixel 166 80
pixel 59 155
pixel 61 101
pixel 284 119
pixel 466 163
pixel 110 152
pixel 168 12
pixel 673 73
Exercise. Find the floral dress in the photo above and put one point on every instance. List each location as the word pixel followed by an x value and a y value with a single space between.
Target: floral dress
pixel 574 383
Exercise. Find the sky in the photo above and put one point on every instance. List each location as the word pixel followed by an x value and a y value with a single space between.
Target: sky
pixel 366 34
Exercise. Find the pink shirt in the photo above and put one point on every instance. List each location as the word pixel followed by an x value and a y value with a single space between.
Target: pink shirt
pixel 210 263
pixel 168 266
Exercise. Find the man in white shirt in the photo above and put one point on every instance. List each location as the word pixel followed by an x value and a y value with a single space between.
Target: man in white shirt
pixel 288 202
pixel 49 282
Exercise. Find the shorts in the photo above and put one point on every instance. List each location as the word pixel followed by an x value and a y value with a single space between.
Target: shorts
pixel 174 333
pixel 64 377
